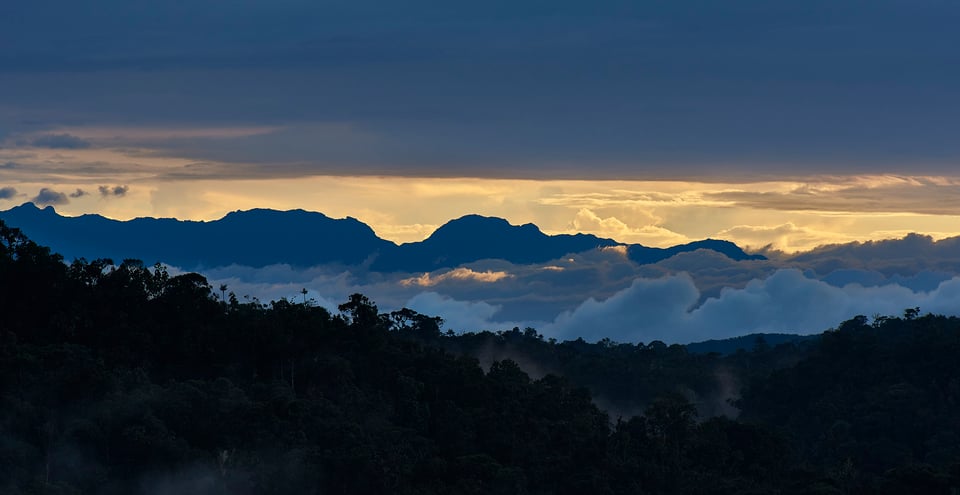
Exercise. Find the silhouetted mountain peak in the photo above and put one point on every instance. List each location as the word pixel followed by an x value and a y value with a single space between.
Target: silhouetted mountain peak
pixel 261 236
pixel 30 207
pixel 475 237
pixel 647 255
pixel 268 213
pixel 727 248
pixel 470 228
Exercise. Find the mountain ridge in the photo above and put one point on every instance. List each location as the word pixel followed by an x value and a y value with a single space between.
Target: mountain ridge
pixel 261 237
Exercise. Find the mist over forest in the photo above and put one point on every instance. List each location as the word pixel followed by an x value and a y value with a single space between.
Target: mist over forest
pixel 119 378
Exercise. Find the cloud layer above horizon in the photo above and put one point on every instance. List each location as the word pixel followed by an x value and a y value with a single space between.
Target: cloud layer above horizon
pixel 558 89
pixel 690 297
pixel 672 309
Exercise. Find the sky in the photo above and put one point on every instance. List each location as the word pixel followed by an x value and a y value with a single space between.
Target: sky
pixel 774 124
pixel 779 125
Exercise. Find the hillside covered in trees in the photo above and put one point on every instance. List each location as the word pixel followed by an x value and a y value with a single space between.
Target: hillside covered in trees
pixel 119 379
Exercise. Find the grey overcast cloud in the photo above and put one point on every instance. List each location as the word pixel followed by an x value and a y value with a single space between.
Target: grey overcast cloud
pixel 603 89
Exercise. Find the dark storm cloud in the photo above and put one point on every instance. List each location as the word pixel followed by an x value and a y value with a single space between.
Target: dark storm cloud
pixel 113 191
pixel 48 196
pixel 7 192
pixel 550 89
pixel 60 141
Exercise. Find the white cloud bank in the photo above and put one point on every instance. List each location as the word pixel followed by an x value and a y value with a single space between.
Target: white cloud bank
pixel 691 297
pixel 460 315
pixel 666 309
pixel 787 301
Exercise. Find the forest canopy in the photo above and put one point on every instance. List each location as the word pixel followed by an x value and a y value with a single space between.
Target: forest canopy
pixel 118 378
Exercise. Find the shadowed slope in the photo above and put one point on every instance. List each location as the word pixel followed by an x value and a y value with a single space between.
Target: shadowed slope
pixel 262 237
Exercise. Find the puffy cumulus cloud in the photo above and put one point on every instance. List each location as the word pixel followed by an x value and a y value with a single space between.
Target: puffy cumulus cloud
pixel 461 316
pixel 620 250
pixel 458 274
pixel 787 301
pixel 59 141
pixel 326 285
pixel 79 193
pixel 48 196
pixel 912 245
pixel 587 221
pixel 710 270
pixel 113 191
pixel 921 281
pixel 645 305
pixel 785 237
pixel 8 192
pixel 692 296
pixel 909 255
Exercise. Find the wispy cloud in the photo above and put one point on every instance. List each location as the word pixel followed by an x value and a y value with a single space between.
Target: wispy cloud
pixel 880 194
pixel 59 141
pixel 648 232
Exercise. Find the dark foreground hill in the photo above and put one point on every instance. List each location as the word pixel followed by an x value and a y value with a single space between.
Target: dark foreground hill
pixel 127 380
pixel 264 237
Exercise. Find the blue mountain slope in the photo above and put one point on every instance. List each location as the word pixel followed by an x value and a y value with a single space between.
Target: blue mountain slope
pixel 644 255
pixel 475 237
pixel 253 238
pixel 263 237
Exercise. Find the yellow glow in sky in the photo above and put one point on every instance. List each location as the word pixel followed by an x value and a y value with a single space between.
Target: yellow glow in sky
pixel 788 214
pixel 785 215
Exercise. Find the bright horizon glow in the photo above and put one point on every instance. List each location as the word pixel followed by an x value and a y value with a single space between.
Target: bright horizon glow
pixel 785 215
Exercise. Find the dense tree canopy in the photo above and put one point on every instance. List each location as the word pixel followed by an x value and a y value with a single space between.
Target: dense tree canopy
pixel 119 378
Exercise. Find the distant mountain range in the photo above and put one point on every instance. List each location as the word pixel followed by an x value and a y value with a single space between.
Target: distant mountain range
pixel 262 237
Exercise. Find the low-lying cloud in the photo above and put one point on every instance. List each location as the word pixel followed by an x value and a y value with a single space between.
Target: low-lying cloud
pixel 671 308
pixel 667 309
pixel 786 302
pixel 601 294
pixel 7 192
pixel 460 315
pixel 458 274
